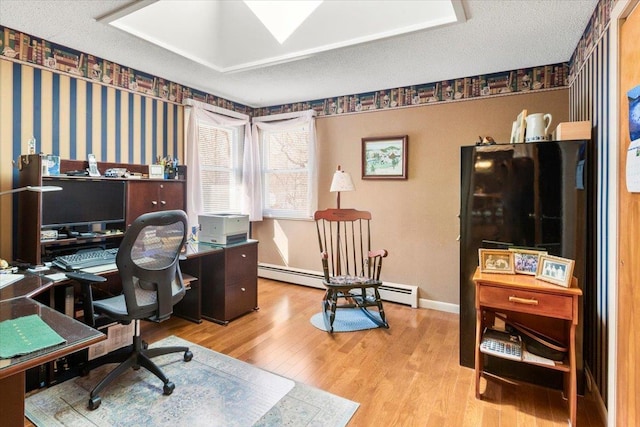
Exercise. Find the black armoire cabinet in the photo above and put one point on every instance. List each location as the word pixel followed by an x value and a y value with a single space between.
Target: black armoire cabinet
pixel 534 195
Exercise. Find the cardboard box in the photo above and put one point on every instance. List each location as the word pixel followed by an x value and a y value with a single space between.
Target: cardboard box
pixel 572 130
pixel 118 336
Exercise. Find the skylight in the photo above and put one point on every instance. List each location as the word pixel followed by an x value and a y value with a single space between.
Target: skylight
pixel 231 36
pixel 282 17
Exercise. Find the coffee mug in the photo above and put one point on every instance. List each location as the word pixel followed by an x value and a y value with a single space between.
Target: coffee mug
pixel 537 128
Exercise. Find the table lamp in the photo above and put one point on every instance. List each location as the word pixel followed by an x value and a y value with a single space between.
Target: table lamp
pixel 341 182
pixel 37 189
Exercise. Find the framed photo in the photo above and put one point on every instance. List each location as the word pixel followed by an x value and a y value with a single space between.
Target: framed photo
pixel 496 261
pixel 555 270
pixel 384 158
pixel 525 261
pixel 156 171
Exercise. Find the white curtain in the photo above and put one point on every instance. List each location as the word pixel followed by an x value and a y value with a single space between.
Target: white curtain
pixel 251 180
pixel 281 122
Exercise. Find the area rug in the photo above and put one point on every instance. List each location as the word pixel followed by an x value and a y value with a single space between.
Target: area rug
pixel 347 320
pixel 211 390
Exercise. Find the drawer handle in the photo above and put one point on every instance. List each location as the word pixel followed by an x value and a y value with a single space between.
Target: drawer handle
pixel 243 289
pixel 244 255
pixel 523 300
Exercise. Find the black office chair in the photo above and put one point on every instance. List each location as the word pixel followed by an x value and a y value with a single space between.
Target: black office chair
pixel 147 261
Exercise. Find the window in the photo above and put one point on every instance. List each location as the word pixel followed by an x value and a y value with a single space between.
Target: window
pixel 220 151
pixel 288 171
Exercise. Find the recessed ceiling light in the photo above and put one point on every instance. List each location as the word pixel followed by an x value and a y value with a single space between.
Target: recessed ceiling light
pixel 282 17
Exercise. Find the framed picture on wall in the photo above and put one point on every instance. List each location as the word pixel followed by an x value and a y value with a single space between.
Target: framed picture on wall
pixel 384 157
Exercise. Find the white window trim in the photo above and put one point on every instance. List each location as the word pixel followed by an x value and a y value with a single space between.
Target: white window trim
pixel 296 119
pixel 251 178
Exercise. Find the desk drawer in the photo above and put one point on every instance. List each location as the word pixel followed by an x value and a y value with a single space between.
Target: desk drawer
pixel 526 301
pixel 241 263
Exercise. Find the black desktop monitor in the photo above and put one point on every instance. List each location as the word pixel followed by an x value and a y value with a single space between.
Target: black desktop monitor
pixel 83 202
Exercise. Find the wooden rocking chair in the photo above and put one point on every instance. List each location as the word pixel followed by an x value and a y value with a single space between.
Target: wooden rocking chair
pixel 351 269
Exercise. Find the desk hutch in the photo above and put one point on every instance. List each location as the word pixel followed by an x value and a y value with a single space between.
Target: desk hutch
pixel 223 279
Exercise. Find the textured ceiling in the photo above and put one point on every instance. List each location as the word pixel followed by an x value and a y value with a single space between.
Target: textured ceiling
pixel 498 35
pixel 227 36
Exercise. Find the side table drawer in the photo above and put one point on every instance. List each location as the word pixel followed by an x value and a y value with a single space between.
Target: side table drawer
pixel 526 301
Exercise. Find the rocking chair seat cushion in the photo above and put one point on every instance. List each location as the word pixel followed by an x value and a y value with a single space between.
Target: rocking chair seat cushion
pixel 347 280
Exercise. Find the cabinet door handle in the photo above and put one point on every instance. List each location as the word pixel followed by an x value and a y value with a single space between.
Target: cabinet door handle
pixel 243 255
pixel 163 203
pixel 243 289
pixel 527 301
pixel 154 203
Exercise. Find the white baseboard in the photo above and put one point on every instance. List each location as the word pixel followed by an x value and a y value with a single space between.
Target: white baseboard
pixel 439 306
pixel 394 292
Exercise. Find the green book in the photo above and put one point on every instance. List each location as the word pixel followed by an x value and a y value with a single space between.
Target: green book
pixel 25 335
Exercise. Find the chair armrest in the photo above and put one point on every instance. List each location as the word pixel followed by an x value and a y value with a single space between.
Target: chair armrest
pixel 379 252
pixel 374 266
pixel 325 265
pixel 86 280
pixel 83 277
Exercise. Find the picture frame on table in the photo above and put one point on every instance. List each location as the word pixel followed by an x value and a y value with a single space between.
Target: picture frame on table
pixel 385 157
pixel 525 261
pixel 555 270
pixel 499 261
pixel 156 172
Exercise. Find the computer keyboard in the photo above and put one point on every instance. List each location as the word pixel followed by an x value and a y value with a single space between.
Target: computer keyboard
pixel 85 259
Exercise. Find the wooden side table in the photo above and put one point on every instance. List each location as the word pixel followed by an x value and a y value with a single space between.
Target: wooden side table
pixel 547 308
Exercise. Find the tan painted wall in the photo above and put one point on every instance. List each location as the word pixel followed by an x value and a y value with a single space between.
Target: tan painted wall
pixel 415 220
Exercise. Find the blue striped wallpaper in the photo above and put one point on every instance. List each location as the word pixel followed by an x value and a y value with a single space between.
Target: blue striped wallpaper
pixel 73 117
pixel 589 94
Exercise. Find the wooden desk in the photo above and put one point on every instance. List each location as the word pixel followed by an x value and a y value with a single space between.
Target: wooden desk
pixel 29 286
pixel 548 308
pixel 12 371
pixel 200 263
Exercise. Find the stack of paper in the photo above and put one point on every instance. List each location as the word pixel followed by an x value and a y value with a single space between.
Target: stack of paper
pixel 7 279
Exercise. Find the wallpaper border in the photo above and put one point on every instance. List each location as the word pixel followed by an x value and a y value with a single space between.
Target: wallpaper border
pixel 24 48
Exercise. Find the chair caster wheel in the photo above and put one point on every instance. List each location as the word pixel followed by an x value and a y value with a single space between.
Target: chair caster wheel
pixel 168 388
pixel 94 402
pixel 188 356
pixel 145 345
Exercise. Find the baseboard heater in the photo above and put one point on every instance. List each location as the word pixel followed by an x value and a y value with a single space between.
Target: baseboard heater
pixel 394 292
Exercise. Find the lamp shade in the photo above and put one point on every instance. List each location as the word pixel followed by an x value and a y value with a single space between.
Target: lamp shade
pixel 341 182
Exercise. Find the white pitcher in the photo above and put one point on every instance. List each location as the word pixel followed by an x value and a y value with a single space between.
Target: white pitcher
pixel 538 127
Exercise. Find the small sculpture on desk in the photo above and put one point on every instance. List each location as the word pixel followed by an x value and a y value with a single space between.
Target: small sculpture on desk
pixel 487 140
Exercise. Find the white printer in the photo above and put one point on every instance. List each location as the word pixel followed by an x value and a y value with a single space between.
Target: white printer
pixel 223 229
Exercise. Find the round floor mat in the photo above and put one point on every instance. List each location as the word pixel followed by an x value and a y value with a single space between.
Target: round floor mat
pixel 347 320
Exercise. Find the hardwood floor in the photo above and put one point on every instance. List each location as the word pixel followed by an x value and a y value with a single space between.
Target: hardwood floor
pixel 407 375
